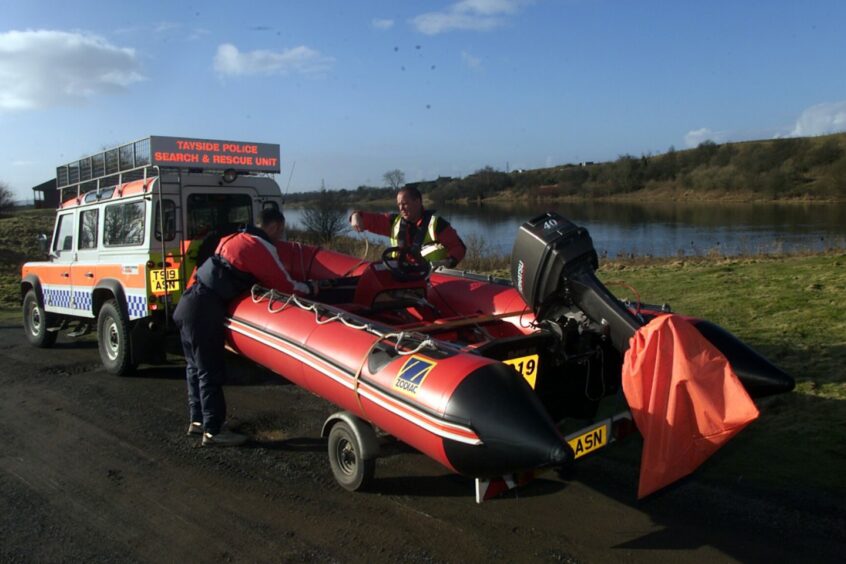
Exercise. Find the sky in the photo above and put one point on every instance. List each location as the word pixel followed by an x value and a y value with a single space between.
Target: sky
pixel 351 90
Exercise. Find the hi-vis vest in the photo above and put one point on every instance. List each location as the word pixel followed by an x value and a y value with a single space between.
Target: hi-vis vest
pixel 429 247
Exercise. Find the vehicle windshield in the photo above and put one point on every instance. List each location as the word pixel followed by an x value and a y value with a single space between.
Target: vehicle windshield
pixel 207 212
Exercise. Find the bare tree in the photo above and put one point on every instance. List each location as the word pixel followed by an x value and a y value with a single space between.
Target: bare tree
pixel 394 178
pixel 7 197
pixel 325 218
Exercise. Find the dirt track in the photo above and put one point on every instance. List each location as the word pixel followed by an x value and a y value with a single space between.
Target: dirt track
pixel 97 468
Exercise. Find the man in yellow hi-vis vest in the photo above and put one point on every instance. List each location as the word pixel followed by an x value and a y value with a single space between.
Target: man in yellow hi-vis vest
pixel 414 227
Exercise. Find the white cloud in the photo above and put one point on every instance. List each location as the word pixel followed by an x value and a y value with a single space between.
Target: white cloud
pixel 382 23
pixel 470 60
pixel 197 33
pixel 165 27
pixel 823 118
pixel 44 68
pixel 229 61
pixel 473 15
pixel 696 136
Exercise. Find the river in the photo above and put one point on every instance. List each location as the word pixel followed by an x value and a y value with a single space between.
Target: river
pixel 662 229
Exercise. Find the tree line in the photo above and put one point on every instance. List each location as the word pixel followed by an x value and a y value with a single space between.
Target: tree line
pixel 790 168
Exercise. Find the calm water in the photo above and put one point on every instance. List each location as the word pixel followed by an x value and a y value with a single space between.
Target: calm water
pixel 664 229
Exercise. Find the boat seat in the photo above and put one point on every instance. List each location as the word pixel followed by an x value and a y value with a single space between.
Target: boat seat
pixel 378 290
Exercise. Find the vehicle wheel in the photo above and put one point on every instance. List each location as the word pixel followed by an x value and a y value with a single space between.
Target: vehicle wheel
pixel 36 321
pixel 113 339
pixel 351 471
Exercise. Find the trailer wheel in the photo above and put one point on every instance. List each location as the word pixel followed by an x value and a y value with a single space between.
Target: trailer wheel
pixel 36 321
pixel 351 471
pixel 113 339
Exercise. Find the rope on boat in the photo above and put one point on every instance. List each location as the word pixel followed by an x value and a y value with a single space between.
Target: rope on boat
pixel 259 294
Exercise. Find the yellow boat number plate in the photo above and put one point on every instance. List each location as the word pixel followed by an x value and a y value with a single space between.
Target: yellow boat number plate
pixel 157 280
pixel 589 440
pixel 527 366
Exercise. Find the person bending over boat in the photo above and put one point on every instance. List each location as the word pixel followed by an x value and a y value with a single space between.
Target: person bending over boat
pixel 414 227
pixel 240 260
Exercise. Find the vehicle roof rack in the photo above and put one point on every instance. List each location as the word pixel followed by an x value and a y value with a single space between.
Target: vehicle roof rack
pixel 150 156
pixel 107 168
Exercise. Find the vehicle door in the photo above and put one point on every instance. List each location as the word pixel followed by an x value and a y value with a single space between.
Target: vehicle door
pixel 56 277
pixel 83 271
pixel 165 283
pixel 124 253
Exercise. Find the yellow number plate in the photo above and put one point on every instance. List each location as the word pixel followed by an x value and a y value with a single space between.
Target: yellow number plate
pixel 589 440
pixel 157 280
pixel 527 366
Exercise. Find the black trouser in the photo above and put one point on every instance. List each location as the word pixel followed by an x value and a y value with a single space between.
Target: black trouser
pixel 199 315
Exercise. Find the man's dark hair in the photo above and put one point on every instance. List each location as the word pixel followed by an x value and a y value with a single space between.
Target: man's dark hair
pixel 411 191
pixel 270 215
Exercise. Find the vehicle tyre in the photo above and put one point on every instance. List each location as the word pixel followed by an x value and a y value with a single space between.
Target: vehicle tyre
pixel 36 321
pixel 113 339
pixel 351 471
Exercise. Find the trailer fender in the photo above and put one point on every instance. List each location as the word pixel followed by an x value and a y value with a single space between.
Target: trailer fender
pixel 364 432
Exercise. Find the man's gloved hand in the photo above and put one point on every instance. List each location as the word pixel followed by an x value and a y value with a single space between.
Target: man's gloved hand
pixel 446 263
pixel 356 222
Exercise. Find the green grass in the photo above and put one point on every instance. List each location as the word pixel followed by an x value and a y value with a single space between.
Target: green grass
pixel 18 244
pixel 792 310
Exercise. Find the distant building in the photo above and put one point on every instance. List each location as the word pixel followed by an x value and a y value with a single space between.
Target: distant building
pixel 45 195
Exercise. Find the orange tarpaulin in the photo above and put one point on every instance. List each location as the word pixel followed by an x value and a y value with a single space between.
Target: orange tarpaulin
pixel 684 397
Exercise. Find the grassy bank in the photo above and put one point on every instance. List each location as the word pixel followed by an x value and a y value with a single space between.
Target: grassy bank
pixel 792 310
pixel 18 244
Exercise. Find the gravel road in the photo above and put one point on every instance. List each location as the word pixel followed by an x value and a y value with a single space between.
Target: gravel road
pixel 97 468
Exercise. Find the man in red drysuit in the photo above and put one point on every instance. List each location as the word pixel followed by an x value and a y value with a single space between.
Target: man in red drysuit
pixel 242 259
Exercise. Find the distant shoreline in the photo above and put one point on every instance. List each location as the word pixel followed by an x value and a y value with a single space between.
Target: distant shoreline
pixel 643 196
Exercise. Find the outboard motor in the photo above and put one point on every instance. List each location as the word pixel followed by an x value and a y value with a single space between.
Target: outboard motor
pixel 554 263
pixel 554 260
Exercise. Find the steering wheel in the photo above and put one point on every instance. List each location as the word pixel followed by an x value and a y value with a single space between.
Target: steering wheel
pixel 406 264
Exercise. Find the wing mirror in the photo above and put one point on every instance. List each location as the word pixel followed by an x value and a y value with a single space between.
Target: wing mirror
pixel 43 243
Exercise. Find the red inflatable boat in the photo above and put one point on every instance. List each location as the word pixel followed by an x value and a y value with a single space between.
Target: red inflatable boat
pixel 475 372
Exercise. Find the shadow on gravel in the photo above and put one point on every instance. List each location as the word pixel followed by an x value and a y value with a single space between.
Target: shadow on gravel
pixel 453 485
pixel 445 485
pixel 160 372
pixel 696 511
pixel 78 345
pixel 296 444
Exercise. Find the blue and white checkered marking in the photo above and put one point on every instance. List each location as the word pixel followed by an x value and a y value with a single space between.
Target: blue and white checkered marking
pixel 82 300
pixel 57 298
pixel 136 306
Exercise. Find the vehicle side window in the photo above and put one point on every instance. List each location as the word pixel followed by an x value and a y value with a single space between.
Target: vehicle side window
pixel 124 224
pixel 168 210
pixel 64 233
pixel 88 229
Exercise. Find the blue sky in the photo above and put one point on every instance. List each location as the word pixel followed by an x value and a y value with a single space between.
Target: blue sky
pixel 351 90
